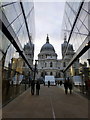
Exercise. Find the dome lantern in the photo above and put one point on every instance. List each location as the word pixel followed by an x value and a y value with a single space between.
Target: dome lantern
pixel 47 39
pixel 47 46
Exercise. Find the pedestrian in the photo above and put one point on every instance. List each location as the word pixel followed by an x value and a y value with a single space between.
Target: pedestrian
pixel 32 87
pixel 70 86
pixel 37 87
pixel 48 83
pixel 66 86
pixel 56 82
pixel 60 82
pixel 86 86
pixel 44 83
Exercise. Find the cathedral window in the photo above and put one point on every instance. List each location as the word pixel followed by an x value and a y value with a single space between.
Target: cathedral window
pixel 42 74
pixel 45 73
pixel 59 75
pixel 51 64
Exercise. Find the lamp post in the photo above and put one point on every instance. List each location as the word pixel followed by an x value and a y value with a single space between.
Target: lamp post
pixel 33 81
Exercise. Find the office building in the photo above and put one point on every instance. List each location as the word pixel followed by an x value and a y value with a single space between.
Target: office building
pixel 16 31
pixel 76 26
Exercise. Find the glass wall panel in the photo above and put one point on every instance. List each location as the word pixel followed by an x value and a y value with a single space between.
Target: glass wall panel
pixel 82 15
pixel 75 6
pixel 14 77
pixel 31 24
pixel 14 81
pixel 81 78
pixel 21 19
pixel 22 36
pixel 6 3
pixel 85 6
pixel 7 10
pixel 72 17
pixel 4 43
pixel 16 25
pixel 81 28
pixel 26 8
pixel 17 8
pixel 80 69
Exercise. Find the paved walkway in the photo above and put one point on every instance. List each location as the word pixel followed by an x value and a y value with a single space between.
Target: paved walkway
pixel 51 103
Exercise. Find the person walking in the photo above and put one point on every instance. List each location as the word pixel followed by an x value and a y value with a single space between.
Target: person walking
pixel 60 82
pixel 70 86
pixel 32 87
pixel 44 83
pixel 48 83
pixel 66 86
pixel 37 87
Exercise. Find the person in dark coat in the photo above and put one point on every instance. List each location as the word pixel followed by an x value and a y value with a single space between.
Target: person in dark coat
pixel 66 86
pixel 32 87
pixel 44 83
pixel 86 86
pixel 60 82
pixel 37 87
pixel 70 86
pixel 48 83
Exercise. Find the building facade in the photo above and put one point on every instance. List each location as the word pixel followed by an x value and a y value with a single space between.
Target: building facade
pixel 16 31
pixel 29 52
pixel 48 64
pixel 76 25
pixel 66 57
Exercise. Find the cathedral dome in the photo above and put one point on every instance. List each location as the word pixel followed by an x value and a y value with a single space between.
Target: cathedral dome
pixel 47 46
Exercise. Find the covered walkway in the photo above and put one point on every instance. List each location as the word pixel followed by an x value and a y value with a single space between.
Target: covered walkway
pixel 51 103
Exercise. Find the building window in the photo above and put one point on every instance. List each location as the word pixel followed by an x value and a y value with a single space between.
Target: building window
pixel 64 64
pixel 23 64
pixel 45 64
pixel 59 75
pixel 45 73
pixel 51 64
pixel 42 74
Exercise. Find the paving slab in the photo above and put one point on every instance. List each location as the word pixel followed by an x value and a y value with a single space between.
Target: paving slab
pixel 51 103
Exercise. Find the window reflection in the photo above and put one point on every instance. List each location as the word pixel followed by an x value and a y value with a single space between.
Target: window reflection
pixel 17 8
pixel 8 14
pixel 4 42
pixel 16 25
pixel 15 76
pixel 79 70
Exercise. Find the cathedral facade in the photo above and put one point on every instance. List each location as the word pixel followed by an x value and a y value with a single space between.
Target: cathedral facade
pixel 48 64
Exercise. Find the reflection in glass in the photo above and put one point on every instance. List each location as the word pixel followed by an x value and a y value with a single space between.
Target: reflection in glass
pixel 16 74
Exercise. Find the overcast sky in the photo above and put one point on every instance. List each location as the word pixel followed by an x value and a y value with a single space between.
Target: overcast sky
pixel 48 20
